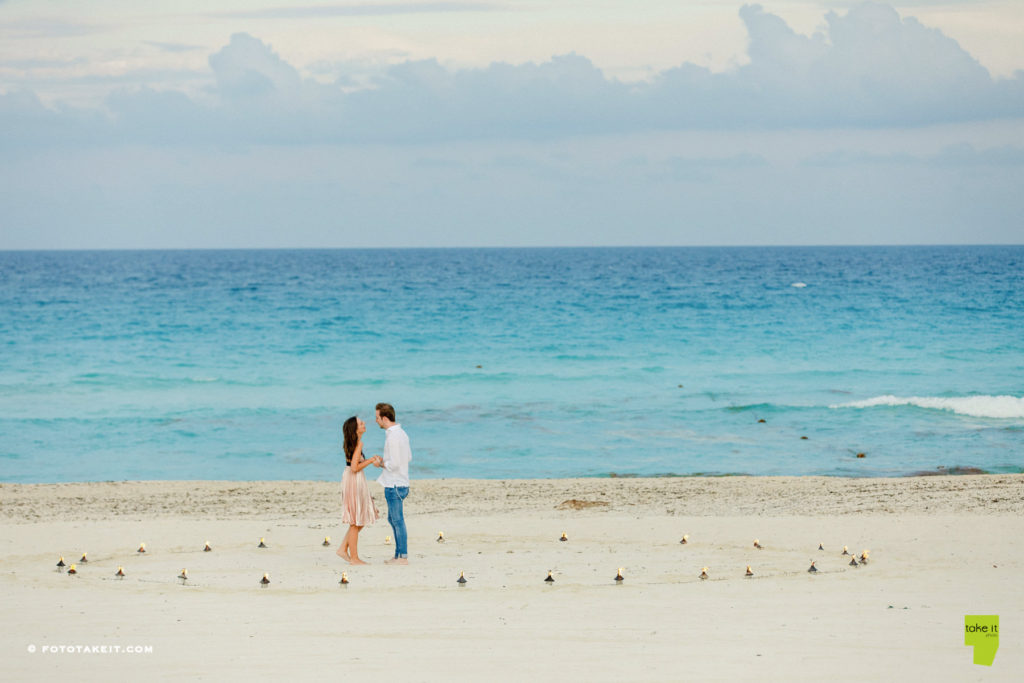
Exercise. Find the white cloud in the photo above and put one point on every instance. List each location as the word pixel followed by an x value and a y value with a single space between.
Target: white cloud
pixel 247 67
pixel 172 47
pixel 47 28
pixel 359 10
pixel 867 68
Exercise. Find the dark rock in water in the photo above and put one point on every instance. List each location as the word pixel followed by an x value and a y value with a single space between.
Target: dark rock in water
pixel 949 470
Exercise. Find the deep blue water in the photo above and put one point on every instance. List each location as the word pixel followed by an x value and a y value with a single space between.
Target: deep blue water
pixel 512 362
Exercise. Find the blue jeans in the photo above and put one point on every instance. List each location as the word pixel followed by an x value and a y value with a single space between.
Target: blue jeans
pixel 394 495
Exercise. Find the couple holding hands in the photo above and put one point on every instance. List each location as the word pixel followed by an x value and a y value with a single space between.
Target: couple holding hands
pixel 358 508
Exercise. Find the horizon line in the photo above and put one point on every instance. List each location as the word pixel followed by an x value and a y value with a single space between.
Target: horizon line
pixel 520 247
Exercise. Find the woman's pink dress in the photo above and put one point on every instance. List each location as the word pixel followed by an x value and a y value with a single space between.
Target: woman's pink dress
pixel 357 506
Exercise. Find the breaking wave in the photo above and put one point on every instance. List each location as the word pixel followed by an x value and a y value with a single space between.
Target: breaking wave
pixel 974 406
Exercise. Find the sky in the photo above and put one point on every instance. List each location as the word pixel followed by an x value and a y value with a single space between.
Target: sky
pixel 267 124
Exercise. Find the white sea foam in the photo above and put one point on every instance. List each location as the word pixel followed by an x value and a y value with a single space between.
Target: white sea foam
pixel 798 285
pixel 974 406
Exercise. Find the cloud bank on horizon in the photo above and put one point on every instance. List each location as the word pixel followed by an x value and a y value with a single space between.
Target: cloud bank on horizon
pixel 547 144
pixel 871 68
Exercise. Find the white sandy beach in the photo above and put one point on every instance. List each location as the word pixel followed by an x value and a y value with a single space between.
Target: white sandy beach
pixel 940 548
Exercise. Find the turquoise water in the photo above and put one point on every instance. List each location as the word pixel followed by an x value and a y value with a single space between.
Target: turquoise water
pixel 512 362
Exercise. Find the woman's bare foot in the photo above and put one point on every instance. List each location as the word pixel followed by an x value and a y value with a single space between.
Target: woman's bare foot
pixel 343 554
pixel 355 560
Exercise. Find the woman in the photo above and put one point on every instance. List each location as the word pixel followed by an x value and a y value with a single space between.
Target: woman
pixel 357 507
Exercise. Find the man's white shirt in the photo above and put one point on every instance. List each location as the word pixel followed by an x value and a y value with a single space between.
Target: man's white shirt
pixel 397 455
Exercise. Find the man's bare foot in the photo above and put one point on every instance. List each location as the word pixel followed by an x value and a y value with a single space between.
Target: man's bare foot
pixel 355 560
pixel 343 554
pixel 397 560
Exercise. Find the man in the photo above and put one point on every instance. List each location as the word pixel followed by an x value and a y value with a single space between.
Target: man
pixel 395 477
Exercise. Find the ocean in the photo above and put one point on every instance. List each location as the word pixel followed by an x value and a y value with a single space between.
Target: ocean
pixel 513 363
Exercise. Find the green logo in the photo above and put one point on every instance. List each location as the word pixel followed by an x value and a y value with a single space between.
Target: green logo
pixel 982 631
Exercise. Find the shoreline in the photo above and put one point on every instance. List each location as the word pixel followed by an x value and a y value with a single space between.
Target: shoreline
pixel 939 471
pixel 987 494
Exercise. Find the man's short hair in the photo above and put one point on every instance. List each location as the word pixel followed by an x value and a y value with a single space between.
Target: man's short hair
pixel 386 410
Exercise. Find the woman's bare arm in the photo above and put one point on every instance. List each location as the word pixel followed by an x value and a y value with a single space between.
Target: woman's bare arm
pixel 358 463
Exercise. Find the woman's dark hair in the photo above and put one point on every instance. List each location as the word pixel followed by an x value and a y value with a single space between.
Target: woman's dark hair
pixel 351 437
